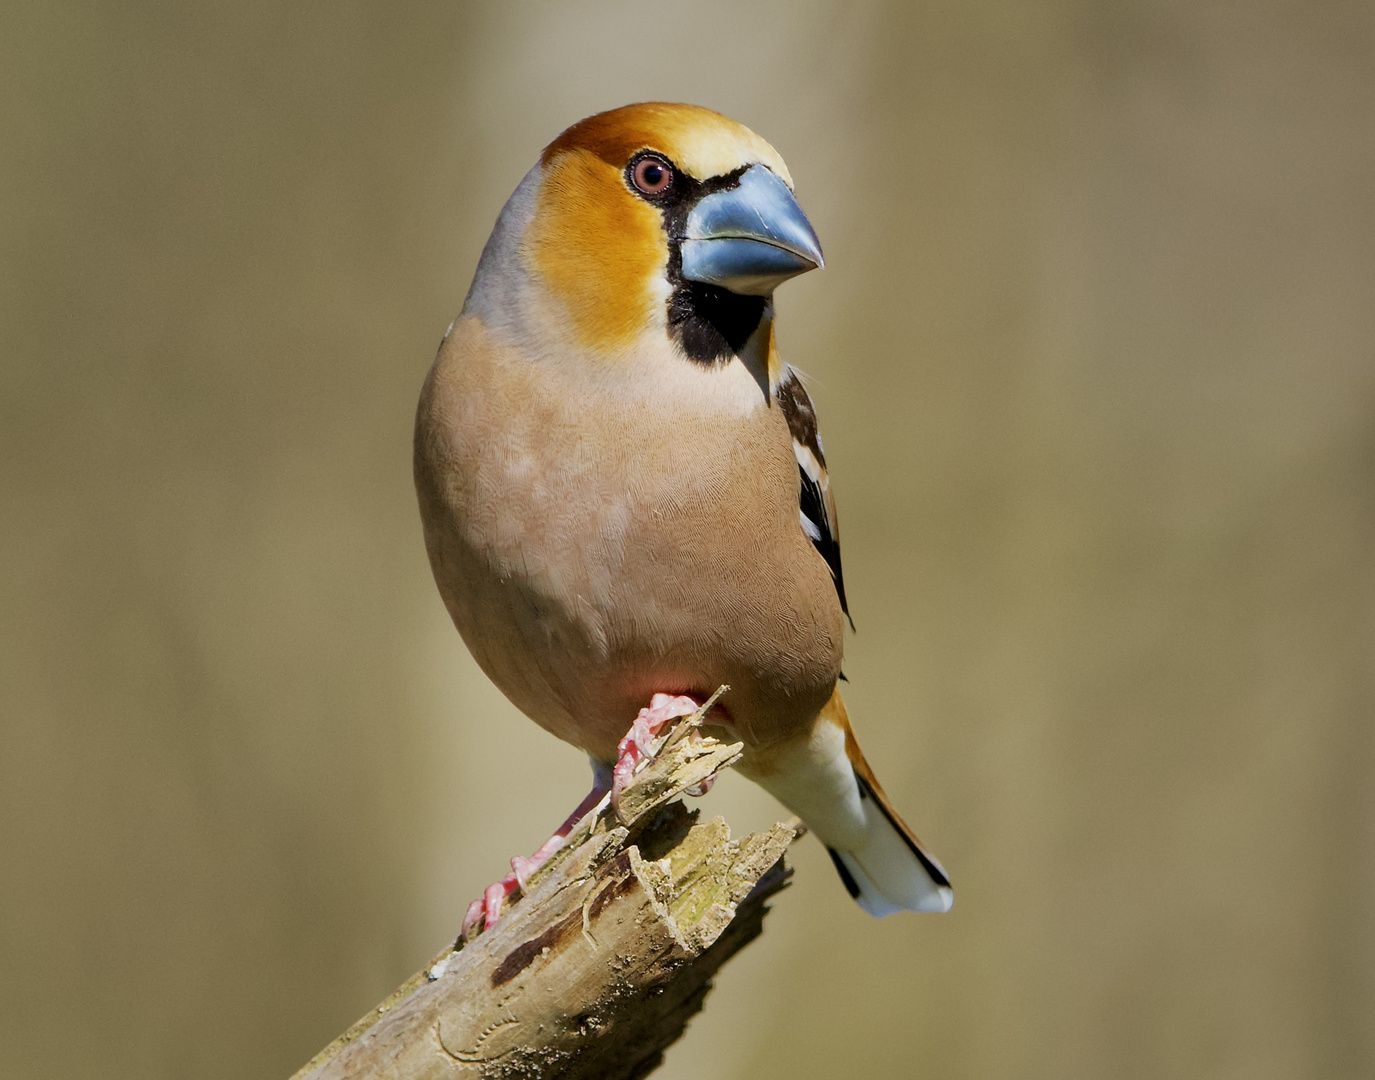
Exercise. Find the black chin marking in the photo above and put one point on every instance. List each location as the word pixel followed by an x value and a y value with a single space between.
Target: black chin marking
pixel 712 324
pixel 709 323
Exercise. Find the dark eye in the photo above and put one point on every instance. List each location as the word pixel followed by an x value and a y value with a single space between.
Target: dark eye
pixel 652 175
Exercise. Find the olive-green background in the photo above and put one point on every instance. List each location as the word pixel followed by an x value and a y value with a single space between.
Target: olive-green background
pixel 1094 354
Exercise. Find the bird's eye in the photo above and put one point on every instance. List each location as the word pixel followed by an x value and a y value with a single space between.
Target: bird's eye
pixel 652 175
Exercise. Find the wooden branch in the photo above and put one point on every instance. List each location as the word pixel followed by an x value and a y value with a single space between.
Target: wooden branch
pixel 598 969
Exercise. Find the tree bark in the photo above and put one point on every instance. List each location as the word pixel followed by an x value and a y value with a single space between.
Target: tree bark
pixel 598 969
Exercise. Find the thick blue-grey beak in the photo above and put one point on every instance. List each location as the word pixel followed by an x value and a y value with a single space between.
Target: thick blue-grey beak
pixel 751 238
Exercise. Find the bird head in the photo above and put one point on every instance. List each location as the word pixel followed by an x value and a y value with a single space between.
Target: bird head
pixel 660 218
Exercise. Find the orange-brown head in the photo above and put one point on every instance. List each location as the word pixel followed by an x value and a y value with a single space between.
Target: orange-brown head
pixel 661 217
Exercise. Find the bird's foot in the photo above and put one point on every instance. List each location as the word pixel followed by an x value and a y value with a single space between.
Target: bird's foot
pixel 487 909
pixel 634 750
pixel 637 745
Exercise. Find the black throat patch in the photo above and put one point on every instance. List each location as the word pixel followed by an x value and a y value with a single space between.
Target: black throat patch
pixel 709 323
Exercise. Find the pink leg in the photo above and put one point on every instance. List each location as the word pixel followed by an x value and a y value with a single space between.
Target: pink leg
pixel 488 908
pixel 633 749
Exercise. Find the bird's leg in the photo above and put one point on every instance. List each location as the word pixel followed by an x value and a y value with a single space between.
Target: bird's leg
pixel 633 750
pixel 488 908
pixel 635 747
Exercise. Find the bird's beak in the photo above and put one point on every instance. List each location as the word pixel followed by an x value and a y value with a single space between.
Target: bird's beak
pixel 751 238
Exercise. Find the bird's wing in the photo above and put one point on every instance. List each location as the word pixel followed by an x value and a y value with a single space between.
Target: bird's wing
pixel 818 508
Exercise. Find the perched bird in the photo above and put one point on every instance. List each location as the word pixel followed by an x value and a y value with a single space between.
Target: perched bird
pixel 623 489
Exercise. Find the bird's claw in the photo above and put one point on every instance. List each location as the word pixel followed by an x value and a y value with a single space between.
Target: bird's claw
pixel 487 908
pixel 639 740
pixel 701 787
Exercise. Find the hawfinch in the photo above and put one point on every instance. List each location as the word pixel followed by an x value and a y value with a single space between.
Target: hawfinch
pixel 622 485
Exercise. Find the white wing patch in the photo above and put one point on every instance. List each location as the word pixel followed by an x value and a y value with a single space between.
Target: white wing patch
pixel 808 463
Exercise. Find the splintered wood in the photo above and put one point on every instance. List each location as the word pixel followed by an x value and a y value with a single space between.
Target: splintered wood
pixel 598 969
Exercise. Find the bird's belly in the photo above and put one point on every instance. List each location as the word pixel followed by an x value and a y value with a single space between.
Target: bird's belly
pixel 589 566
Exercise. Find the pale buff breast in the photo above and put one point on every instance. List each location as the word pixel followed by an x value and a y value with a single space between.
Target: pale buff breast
pixel 598 537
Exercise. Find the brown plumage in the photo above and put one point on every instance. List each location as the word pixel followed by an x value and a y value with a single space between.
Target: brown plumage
pixel 613 494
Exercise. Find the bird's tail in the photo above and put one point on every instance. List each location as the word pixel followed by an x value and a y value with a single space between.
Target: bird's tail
pixel 827 783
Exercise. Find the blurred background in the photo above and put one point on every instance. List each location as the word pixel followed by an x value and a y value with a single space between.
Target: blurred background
pixel 1094 354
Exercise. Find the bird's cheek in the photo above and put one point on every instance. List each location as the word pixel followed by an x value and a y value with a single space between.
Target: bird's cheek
pixel 599 251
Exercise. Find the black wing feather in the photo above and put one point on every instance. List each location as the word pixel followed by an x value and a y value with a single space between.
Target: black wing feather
pixel 816 502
